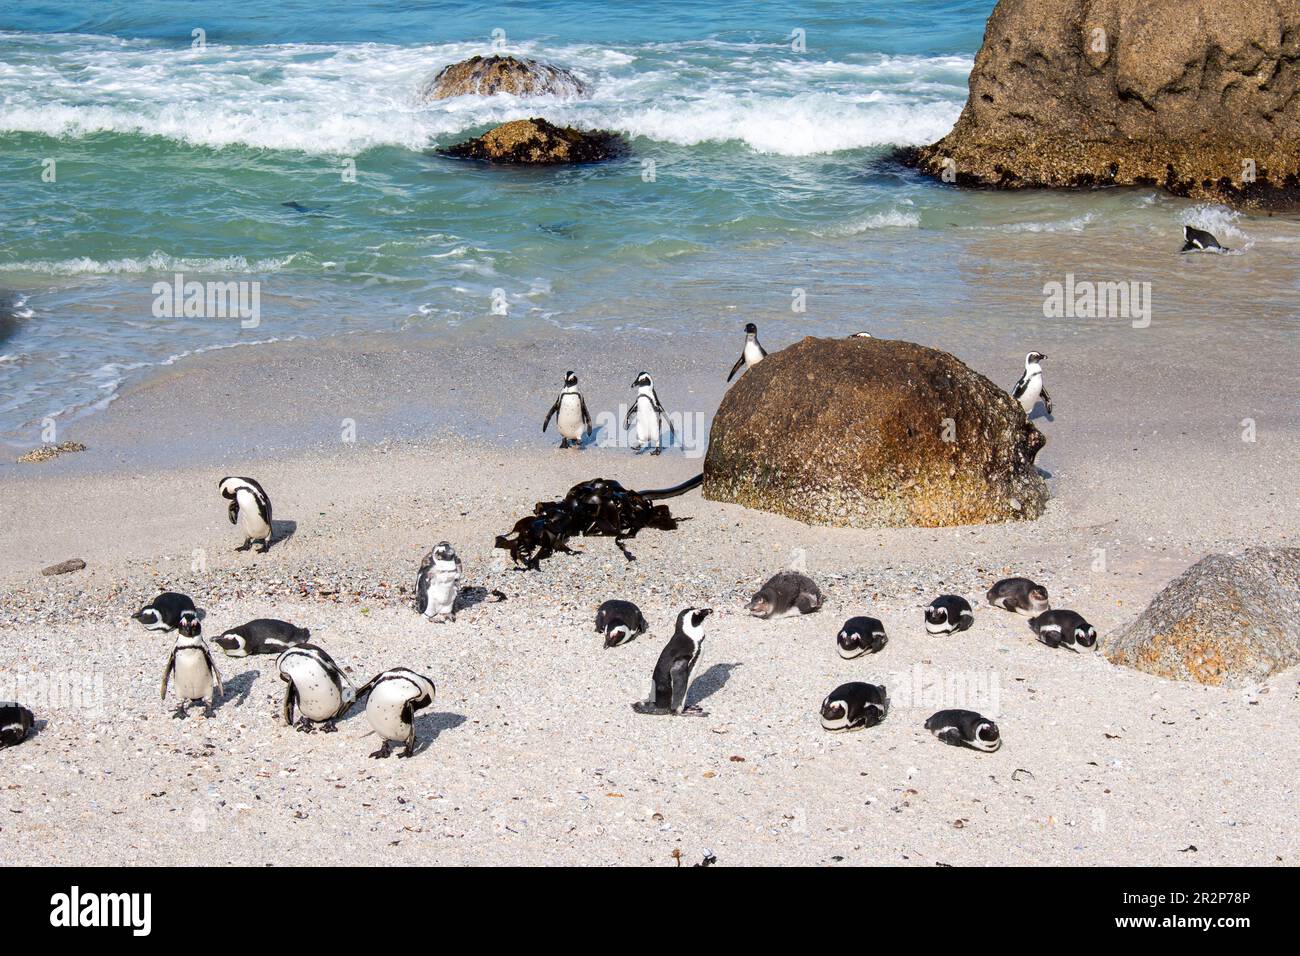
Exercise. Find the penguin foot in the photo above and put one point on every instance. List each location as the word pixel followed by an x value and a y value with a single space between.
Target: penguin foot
pixel 265 547
pixel 657 451
pixel 245 546
pixel 328 728
pixel 408 752
pixel 304 726
pixel 648 707
pixel 382 752
pixel 180 712
pixel 693 711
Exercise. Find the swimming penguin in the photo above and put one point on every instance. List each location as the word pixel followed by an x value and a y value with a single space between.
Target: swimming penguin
pixel 1055 628
pixel 250 508
pixel 197 677
pixel 965 728
pixel 15 723
pixel 437 584
pixel 672 673
pixel 854 706
pixel 647 408
pixel 786 594
pixel 166 611
pixel 860 635
pixel 316 686
pixel 570 411
pixel 1198 240
pixel 620 622
pixel 948 614
pixel 1030 388
pixel 264 635
pixel 751 354
pixel 395 696
pixel 1020 595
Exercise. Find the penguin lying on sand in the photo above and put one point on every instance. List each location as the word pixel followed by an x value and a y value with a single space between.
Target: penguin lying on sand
pixel 672 674
pixel 854 706
pixel 166 611
pixel 786 594
pixel 965 728
pixel 860 635
pixel 263 635
pixel 15 723
pixel 948 614
pixel 1019 595
pixel 1055 628
pixel 620 622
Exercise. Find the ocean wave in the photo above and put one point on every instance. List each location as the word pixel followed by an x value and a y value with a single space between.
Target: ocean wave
pixel 154 262
pixel 892 218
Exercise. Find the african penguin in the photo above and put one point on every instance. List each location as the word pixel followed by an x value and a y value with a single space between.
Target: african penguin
pixel 861 335
pixel 166 611
pixel 263 635
pixel 437 584
pixel 751 354
pixel 1020 595
pixel 15 723
pixel 948 614
pixel 395 696
pixel 647 409
pixel 1055 628
pixel 197 677
pixel 672 674
pixel 316 686
pixel 250 508
pixel 1198 240
pixel 786 594
pixel 965 728
pixel 860 635
pixel 1030 388
pixel 570 411
pixel 620 622
pixel 853 706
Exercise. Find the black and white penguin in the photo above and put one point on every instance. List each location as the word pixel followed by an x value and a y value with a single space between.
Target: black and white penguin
pixel 751 354
pixel 860 635
pixel 250 508
pixel 263 635
pixel 862 335
pixel 1020 595
pixel 15 723
pixel 620 622
pixel 166 611
pixel 197 677
pixel 438 583
pixel 570 411
pixel 647 409
pixel 786 594
pixel 1198 240
pixel 965 728
pixel 395 696
pixel 1030 388
pixel 316 686
pixel 948 614
pixel 672 673
pixel 854 706
pixel 1055 628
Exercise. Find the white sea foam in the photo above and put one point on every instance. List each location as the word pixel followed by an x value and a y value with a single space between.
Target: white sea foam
pixel 154 262
pixel 891 218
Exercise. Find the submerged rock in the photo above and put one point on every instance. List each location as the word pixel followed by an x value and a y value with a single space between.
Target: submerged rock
pixel 536 142
pixel 866 432
pixel 1231 620
pixel 490 75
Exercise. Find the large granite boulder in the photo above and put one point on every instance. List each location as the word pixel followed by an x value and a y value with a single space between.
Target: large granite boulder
pixel 873 433
pixel 1195 96
pixel 535 142
pixel 490 75
pixel 1231 620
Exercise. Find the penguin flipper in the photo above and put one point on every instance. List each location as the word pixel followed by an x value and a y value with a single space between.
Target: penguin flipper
pixel 286 710
pixel 554 411
pixel 233 512
pixel 950 735
pixel 167 673
pixel 1047 400
pixel 631 412
pixel 216 674
pixel 736 368
pixel 680 676
pixel 586 418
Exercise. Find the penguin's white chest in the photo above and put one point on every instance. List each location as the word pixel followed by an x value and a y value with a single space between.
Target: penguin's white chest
pixel 647 420
pixel 753 354
pixel 1033 390
pixel 319 698
pixel 384 708
pixel 192 674
pixel 569 420
pixel 443 581
pixel 250 519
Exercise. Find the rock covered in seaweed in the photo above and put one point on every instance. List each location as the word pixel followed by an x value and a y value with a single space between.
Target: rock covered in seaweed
pixel 535 142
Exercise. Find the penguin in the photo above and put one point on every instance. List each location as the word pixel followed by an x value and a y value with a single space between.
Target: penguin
pixel 316 686
pixel 620 622
pixel 948 614
pixel 437 584
pixel 264 635
pixel 854 706
pixel 1020 595
pixel 672 673
pixel 15 723
pixel 751 354
pixel 861 335
pixel 395 696
pixel 647 408
pixel 197 677
pixel 250 508
pixel 786 594
pixel 166 611
pixel 965 728
pixel 860 635
pixel 1055 628
pixel 1030 388
pixel 570 411
pixel 1198 240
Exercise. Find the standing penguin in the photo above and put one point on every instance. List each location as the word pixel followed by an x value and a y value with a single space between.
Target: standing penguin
pixel 438 583
pixel 395 696
pixel 264 635
pixel 853 706
pixel 751 354
pixel 620 622
pixel 1020 595
pixel 860 635
pixel 1055 628
pixel 250 508
pixel 786 594
pixel 948 614
pixel 1030 388
pixel 570 411
pixel 197 677
pixel 315 685
pixel 672 673
pixel 647 408
pixel 1198 240
pixel 965 728
pixel 166 611
pixel 15 723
